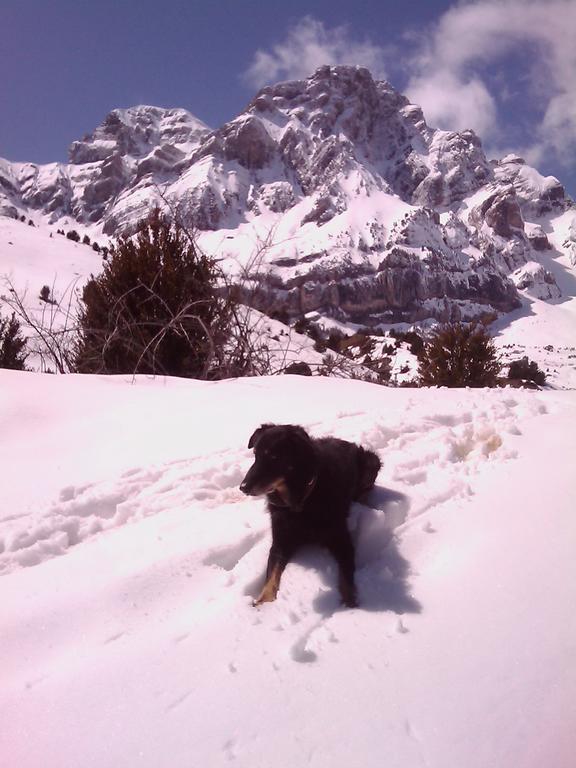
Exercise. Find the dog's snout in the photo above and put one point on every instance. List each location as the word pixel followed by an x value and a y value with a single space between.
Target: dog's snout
pixel 246 484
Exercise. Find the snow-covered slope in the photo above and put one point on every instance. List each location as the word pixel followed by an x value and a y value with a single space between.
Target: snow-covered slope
pixel 542 329
pixel 130 150
pixel 329 194
pixel 130 559
pixel 31 257
pixel 545 330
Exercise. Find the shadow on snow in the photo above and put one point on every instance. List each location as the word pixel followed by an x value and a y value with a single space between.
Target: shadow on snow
pixel 382 573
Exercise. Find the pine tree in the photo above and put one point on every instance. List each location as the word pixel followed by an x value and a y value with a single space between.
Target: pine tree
pixel 459 355
pixel 155 307
pixel 13 352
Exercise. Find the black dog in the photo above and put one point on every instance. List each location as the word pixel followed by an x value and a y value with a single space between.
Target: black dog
pixel 310 485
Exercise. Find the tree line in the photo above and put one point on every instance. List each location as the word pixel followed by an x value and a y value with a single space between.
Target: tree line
pixel 161 306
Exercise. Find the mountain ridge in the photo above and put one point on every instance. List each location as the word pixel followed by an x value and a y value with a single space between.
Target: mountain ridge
pixel 329 194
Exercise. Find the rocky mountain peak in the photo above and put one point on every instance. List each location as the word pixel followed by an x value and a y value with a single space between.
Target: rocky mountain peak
pixel 136 132
pixel 340 117
pixel 341 100
pixel 366 212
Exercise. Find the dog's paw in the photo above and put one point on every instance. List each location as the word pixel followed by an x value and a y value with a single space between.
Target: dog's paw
pixel 266 596
pixel 348 595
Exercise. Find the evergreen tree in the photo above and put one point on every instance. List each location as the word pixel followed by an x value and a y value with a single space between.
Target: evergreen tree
pixel 46 295
pixel 13 352
pixel 155 307
pixel 459 355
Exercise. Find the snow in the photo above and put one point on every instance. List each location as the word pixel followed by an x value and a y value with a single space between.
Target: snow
pixel 35 256
pixel 270 237
pixel 31 257
pixel 545 330
pixel 129 560
pixel 530 179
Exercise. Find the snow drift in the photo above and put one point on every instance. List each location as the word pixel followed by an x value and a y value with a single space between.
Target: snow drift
pixel 130 558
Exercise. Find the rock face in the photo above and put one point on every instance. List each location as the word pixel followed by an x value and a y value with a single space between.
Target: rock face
pixel 536 281
pixel 329 194
pixel 423 272
pixel 501 211
pixel 132 149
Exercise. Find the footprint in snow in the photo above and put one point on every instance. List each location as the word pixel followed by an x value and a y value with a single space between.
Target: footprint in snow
pixel 229 557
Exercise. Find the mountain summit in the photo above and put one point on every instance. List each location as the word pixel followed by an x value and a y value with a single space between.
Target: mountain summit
pixel 329 194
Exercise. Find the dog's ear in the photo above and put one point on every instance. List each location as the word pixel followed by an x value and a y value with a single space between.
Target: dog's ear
pixel 257 434
pixel 368 465
pixel 300 432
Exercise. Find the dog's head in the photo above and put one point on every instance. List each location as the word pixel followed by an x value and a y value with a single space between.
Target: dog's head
pixel 285 464
pixel 369 466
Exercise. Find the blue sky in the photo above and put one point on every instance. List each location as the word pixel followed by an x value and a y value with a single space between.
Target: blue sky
pixel 505 68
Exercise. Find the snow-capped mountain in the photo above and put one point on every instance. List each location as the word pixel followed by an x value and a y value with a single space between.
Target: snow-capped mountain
pixel 131 146
pixel 329 194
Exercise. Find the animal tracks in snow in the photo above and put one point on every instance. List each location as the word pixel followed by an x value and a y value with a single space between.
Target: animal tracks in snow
pixel 229 557
pixel 430 459
pixel 85 510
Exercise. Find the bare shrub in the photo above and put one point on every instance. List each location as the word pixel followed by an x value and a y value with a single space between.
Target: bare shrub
pixel 51 333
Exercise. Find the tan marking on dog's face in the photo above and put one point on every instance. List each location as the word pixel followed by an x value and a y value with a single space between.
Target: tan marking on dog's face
pixel 270 590
pixel 281 489
pixel 269 487
pixel 278 484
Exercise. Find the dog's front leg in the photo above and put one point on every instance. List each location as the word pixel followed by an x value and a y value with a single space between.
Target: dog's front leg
pixel 342 548
pixel 274 570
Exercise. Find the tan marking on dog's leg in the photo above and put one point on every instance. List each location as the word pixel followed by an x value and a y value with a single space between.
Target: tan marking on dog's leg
pixel 271 587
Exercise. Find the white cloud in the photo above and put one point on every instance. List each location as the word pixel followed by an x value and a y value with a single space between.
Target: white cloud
pixel 308 45
pixel 446 73
pixel 453 103
pixel 445 77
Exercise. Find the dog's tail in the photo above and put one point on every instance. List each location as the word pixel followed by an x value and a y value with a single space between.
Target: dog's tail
pixel 368 467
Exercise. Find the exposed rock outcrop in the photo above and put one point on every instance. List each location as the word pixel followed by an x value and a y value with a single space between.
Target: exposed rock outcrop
pixel 352 204
pixel 501 211
pixel 536 281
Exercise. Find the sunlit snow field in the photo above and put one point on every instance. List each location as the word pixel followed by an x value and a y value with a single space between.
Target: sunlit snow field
pixel 130 559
